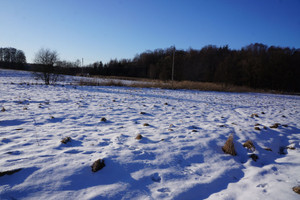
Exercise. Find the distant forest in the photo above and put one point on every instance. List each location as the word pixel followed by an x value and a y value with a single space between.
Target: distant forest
pixel 256 66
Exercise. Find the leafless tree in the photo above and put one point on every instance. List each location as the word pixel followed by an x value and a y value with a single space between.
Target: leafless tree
pixel 47 59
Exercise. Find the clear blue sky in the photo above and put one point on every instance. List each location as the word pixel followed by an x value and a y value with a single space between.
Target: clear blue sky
pixel 100 30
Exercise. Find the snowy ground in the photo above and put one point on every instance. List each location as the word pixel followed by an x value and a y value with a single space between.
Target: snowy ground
pixel 179 157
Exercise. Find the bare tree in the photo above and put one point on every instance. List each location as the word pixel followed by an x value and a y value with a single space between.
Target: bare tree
pixel 47 59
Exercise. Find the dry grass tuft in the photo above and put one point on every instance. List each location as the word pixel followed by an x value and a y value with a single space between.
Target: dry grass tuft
pixel 276 125
pixel 296 189
pixel 3 109
pixel 97 165
pixel 257 128
pixel 150 83
pixel 139 136
pixel 66 140
pixel 249 145
pixel 254 115
pixel 103 119
pixel 228 148
pixel 97 82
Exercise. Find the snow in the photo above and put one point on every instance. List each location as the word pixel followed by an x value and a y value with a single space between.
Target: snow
pixel 179 156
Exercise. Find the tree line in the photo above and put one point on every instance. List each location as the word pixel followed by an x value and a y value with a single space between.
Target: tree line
pixel 12 58
pixel 255 66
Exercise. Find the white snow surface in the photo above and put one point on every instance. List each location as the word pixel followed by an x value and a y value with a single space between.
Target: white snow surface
pixel 179 156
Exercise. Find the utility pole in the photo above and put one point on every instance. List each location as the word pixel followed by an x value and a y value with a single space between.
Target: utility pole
pixel 173 66
pixel 82 66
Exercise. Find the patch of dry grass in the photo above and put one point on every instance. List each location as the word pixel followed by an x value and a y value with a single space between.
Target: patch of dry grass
pixel 139 136
pixel 147 83
pixel 296 189
pixel 97 165
pixel 249 145
pixel 66 140
pixel 97 82
pixel 228 148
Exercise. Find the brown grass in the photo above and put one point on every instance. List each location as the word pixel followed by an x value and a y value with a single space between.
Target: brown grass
pixel 296 189
pixel 148 83
pixel 254 115
pixel 97 165
pixel 276 125
pixel 103 119
pixel 139 136
pixel 66 140
pixel 97 82
pixel 249 145
pixel 257 128
pixel 228 148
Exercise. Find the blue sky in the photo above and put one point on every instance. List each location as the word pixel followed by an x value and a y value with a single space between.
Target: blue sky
pixel 100 30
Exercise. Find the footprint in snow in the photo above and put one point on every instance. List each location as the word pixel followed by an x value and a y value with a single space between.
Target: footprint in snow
pixel 164 190
pixel 155 177
pixel 73 151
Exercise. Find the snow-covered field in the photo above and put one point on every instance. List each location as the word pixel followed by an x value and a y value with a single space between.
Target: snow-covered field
pixel 179 156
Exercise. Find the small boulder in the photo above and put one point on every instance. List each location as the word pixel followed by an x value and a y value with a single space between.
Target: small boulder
pixel 3 109
pixel 146 124
pixel 97 165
